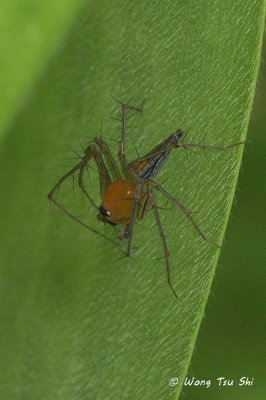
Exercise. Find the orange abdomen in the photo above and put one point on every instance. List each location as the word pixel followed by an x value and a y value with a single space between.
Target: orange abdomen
pixel 118 200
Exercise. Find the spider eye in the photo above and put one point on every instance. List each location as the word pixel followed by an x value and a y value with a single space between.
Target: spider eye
pixel 105 213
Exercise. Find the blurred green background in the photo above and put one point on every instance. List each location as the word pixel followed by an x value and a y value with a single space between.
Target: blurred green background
pixel 230 342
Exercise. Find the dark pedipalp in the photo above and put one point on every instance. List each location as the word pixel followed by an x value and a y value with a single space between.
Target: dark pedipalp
pixel 155 164
pixel 127 232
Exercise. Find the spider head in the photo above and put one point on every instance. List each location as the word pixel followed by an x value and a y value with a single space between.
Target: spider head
pixel 104 213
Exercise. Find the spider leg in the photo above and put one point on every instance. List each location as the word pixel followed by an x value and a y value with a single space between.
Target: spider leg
pixel 204 146
pixel 165 249
pixel 125 230
pixel 104 177
pixel 183 209
pixel 143 206
pixel 121 152
pixel 61 180
pixel 134 213
pixel 174 141
pixel 83 224
pixel 103 146
pixel 105 181
pixel 90 152
pixel 82 187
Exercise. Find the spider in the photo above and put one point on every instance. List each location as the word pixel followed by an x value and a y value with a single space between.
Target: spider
pixel 126 196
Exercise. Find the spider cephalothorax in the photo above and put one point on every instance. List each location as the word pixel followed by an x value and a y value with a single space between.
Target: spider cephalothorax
pixel 125 195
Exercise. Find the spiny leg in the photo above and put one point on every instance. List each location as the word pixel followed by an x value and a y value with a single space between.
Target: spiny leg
pixel 64 177
pixel 134 213
pixel 124 232
pixel 121 152
pixel 143 206
pixel 178 144
pixel 82 187
pixel 103 146
pixel 165 249
pixel 83 224
pixel 208 147
pixel 104 177
pixel 89 153
pixel 184 210
pixel 105 181
pixel 185 145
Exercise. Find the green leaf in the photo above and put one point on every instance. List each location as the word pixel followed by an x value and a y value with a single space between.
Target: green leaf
pixel 79 322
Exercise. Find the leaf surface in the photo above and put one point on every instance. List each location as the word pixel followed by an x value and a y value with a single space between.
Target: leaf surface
pixel 79 322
